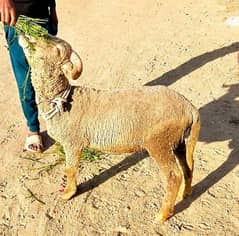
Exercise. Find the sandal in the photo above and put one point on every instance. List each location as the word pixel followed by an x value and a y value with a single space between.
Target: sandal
pixel 31 140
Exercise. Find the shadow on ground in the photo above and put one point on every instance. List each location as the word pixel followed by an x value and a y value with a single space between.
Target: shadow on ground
pixel 114 170
pixel 195 63
pixel 48 141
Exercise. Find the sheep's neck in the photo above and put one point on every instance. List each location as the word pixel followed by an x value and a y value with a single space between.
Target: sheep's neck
pixel 49 108
pixel 48 87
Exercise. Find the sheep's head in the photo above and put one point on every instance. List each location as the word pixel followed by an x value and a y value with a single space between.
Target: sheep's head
pixel 41 52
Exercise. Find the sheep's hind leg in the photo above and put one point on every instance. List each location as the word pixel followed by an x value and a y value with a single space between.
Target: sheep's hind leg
pixel 72 164
pixel 167 163
pixel 185 188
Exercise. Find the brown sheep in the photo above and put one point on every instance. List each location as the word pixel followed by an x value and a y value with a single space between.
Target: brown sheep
pixel 156 119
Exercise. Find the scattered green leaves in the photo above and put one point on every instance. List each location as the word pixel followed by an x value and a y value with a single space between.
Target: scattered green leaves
pixel 48 167
pixel 87 153
pixel 59 150
pixel 90 154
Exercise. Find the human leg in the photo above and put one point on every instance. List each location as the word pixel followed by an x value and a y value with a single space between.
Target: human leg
pixel 26 91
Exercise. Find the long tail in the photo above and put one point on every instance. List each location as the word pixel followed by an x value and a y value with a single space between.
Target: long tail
pixel 184 153
pixel 192 138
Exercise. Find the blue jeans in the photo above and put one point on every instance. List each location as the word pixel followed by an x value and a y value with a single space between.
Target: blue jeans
pixel 23 78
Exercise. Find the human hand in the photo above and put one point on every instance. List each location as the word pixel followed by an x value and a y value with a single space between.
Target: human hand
pixel 7 12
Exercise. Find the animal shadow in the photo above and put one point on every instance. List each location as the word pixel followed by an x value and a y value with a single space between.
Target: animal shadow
pixel 125 164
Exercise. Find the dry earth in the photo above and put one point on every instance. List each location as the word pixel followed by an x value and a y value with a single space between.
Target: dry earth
pixel 185 45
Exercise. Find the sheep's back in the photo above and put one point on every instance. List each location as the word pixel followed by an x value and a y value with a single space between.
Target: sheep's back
pixel 125 117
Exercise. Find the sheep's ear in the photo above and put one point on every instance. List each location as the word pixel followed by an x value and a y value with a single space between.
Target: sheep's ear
pixel 62 50
pixel 57 51
pixel 22 41
pixel 72 69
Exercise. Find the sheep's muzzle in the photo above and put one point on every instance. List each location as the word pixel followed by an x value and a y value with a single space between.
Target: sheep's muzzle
pixel 71 64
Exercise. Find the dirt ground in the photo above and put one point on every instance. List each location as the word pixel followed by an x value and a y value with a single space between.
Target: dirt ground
pixel 185 45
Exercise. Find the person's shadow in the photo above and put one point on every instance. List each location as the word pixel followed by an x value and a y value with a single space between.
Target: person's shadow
pixel 219 118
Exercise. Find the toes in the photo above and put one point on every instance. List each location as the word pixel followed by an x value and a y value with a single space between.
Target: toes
pixel 35 147
pixel 33 143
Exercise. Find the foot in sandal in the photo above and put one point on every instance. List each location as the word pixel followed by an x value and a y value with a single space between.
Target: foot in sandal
pixel 33 143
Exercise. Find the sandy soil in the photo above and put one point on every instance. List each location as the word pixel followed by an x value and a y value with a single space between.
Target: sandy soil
pixel 186 46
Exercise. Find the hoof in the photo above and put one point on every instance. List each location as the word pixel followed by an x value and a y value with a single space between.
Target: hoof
pixel 68 194
pixel 163 217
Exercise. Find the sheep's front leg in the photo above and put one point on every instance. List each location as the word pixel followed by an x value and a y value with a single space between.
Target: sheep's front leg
pixel 72 165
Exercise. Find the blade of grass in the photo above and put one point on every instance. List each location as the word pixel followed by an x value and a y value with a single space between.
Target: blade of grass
pixel 32 159
pixel 32 195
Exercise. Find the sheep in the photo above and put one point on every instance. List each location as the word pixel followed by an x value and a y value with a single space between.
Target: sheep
pixel 155 119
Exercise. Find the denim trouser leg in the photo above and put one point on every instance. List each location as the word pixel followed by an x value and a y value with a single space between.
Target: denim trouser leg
pixel 22 74
pixel 21 71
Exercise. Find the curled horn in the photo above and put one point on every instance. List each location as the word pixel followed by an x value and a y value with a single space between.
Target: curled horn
pixel 71 63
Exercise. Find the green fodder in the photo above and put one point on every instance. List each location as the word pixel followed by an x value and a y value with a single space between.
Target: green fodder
pixel 31 26
pixel 90 154
pixel 87 154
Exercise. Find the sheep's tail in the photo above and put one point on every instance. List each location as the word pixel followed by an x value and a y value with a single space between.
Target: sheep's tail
pixel 192 138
